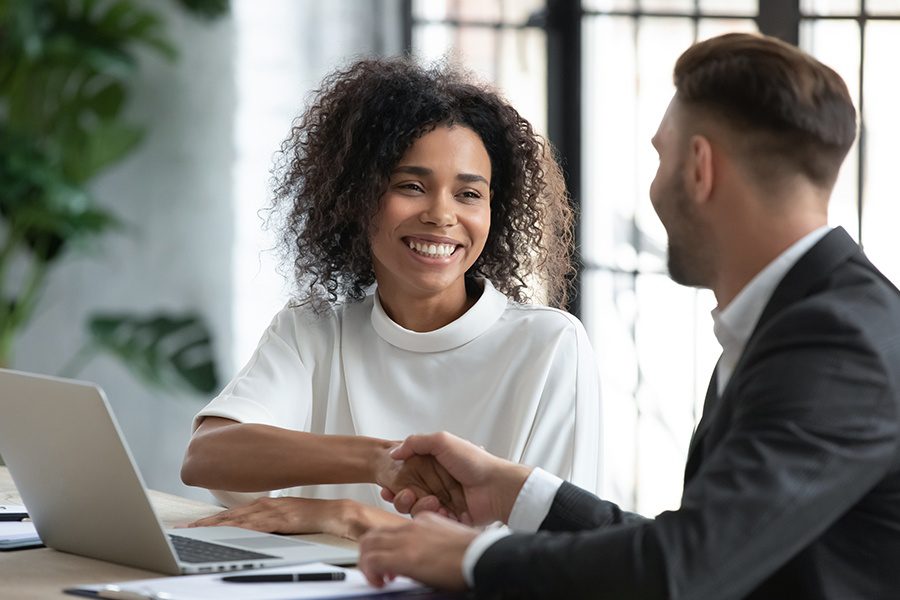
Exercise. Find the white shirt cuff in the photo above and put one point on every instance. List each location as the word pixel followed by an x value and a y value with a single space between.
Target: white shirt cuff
pixel 529 511
pixel 534 501
pixel 473 553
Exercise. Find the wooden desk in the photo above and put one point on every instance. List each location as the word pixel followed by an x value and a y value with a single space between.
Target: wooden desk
pixel 43 573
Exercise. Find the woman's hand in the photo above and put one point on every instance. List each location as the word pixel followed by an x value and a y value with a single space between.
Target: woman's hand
pixel 422 475
pixel 489 485
pixel 289 515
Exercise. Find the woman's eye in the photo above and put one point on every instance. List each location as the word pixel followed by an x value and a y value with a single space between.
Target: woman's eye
pixel 471 195
pixel 411 186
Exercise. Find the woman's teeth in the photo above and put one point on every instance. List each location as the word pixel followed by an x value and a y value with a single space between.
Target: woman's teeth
pixel 432 250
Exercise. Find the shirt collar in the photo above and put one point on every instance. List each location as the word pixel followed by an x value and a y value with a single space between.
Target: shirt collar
pixel 735 323
pixel 478 319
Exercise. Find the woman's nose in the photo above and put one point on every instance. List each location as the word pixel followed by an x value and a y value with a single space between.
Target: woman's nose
pixel 440 211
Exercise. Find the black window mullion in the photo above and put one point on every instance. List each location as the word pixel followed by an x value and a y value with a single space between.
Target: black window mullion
pixel 564 122
pixel 781 19
pixel 406 14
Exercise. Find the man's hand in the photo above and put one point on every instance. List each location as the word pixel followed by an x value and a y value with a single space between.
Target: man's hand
pixel 344 518
pixel 490 484
pixel 423 476
pixel 429 549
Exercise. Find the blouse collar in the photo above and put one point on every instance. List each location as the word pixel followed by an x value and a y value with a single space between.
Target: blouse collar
pixel 475 321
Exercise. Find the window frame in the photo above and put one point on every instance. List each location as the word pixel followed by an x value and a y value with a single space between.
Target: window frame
pixel 562 22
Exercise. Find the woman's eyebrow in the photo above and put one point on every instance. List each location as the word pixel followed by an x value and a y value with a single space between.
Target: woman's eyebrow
pixel 425 172
pixel 472 178
pixel 413 170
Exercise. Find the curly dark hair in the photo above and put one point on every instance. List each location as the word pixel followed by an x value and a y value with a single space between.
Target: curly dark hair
pixel 335 166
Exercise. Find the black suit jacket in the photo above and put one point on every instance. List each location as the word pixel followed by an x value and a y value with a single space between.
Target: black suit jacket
pixel 792 485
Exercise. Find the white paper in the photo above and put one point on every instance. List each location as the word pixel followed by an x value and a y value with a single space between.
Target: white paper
pixel 18 534
pixel 17 530
pixel 211 587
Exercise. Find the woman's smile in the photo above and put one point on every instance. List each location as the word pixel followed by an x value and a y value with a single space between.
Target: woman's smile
pixel 432 247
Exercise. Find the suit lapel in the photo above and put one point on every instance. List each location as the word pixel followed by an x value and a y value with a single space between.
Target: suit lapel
pixel 709 405
pixel 818 263
pixel 814 266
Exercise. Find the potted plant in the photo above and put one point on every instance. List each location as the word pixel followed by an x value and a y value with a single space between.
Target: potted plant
pixel 66 69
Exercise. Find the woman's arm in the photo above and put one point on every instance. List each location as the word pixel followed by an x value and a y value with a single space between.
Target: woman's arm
pixel 246 457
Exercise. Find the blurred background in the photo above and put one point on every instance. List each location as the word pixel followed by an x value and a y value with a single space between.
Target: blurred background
pixel 136 139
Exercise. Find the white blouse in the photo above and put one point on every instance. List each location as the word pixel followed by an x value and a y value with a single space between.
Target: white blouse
pixel 519 380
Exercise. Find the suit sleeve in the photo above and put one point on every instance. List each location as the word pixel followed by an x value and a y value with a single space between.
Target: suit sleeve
pixel 812 428
pixel 574 509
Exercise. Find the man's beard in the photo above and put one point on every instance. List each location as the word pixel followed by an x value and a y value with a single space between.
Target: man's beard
pixel 681 267
pixel 690 261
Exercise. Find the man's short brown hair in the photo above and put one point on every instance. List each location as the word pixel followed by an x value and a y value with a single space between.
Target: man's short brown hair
pixel 793 114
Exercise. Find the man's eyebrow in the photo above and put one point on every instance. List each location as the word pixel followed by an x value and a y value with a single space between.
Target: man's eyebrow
pixel 472 178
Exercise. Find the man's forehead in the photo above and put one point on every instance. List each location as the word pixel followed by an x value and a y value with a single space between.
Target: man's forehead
pixel 670 117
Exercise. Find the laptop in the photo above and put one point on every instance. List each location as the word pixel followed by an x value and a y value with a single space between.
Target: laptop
pixel 75 474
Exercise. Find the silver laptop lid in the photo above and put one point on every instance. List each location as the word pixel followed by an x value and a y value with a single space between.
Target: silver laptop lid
pixel 65 453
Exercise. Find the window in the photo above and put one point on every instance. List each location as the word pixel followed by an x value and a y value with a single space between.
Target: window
pixel 860 39
pixel 495 39
pixel 604 80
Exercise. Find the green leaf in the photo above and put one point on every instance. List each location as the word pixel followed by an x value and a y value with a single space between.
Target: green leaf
pixel 103 145
pixel 49 233
pixel 208 9
pixel 117 15
pixel 107 102
pixel 164 350
pixel 46 210
pixel 125 20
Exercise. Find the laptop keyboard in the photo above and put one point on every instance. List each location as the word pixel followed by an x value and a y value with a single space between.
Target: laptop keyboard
pixel 195 551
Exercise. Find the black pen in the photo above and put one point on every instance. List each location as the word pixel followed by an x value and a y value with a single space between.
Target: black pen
pixel 19 516
pixel 12 513
pixel 286 577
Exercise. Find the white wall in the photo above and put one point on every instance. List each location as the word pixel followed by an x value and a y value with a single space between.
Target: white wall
pixel 274 81
pixel 189 196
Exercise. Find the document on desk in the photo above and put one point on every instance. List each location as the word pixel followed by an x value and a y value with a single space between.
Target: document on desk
pixel 15 535
pixel 212 587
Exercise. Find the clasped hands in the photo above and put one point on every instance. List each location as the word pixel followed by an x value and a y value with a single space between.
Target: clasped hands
pixel 446 483
pixel 442 474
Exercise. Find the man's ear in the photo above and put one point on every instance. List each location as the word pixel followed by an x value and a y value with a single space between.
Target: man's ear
pixel 700 171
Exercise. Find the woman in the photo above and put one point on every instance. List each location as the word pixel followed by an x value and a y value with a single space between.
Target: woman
pixel 421 212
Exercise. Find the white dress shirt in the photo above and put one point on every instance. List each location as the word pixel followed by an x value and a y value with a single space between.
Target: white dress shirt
pixel 733 326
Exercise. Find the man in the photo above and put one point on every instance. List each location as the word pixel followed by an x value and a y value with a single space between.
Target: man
pixel 792 484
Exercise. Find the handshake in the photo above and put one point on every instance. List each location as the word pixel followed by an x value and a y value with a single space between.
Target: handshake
pixel 449 485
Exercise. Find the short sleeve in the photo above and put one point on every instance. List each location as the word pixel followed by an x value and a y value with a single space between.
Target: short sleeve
pixel 275 386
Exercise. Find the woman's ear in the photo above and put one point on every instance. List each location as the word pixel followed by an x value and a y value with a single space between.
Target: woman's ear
pixel 700 169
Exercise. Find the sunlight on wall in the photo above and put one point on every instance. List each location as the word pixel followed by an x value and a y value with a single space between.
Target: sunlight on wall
pixel 269 84
pixel 283 52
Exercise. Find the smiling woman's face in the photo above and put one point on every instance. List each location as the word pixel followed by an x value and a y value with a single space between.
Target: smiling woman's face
pixel 434 218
